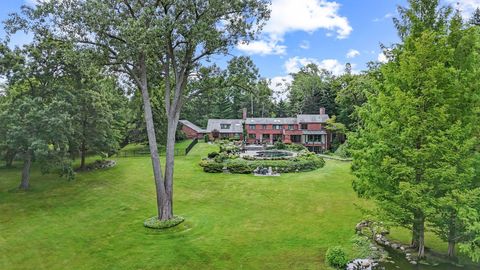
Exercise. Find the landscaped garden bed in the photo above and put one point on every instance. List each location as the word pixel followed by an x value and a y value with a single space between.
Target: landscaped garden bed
pixel 230 160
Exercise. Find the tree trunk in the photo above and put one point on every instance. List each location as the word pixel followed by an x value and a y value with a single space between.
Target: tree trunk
pixel 152 141
pixel 9 157
pixel 414 243
pixel 452 237
pixel 83 153
pixel 451 249
pixel 419 233
pixel 27 163
pixel 170 162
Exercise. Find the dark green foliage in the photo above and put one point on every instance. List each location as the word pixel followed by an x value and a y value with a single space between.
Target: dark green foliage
pixel 155 223
pixel 336 257
pixel 280 146
pixel 206 138
pixel 342 151
pixel 212 154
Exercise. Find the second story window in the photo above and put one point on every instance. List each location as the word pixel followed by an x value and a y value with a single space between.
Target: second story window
pixel 264 126
pixel 252 127
pixel 291 127
pixel 277 126
pixel 225 126
pixel 304 126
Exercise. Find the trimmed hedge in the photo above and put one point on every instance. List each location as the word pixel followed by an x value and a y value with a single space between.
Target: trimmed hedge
pixel 305 161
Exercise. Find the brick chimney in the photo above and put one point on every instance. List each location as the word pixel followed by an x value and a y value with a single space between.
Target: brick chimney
pixel 322 110
pixel 244 113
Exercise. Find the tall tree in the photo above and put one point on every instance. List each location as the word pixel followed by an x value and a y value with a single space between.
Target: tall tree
pixel 143 37
pixel 475 20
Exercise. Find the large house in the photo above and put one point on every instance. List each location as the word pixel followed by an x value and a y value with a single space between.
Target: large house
pixel 306 129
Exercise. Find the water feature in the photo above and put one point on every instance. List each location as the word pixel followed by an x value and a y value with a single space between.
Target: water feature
pixel 273 154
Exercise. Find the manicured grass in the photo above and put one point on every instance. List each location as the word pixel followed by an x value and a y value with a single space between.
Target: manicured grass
pixel 232 221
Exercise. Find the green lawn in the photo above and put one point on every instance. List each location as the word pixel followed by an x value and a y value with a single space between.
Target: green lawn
pixel 232 221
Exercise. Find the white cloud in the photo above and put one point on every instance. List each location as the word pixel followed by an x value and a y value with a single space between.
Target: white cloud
pixel 467 7
pixel 352 53
pixel 299 15
pixel 294 65
pixel 382 58
pixel 279 85
pixel 262 47
pixel 305 45
pixel 386 16
pixel 308 16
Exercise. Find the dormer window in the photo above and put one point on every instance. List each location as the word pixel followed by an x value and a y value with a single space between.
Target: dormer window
pixel 225 126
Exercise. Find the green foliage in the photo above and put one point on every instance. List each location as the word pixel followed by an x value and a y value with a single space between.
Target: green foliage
pixel 211 166
pixel 304 162
pixel 206 138
pixel 280 146
pixel 155 223
pixel 212 154
pixel 311 89
pixel 342 151
pixel 336 257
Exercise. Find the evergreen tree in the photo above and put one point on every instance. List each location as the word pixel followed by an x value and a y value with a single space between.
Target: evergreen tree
pixel 475 20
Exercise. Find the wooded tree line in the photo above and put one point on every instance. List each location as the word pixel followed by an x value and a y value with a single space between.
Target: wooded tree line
pixel 416 149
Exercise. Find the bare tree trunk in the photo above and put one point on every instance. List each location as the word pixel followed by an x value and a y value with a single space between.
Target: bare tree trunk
pixel 170 163
pixel 414 243
pixel 451 249
pixel 9 157
pixel 419 233
pixel 152 140
pixel 83 153
pixel 251 104
pixel 27 163
pixel 452 237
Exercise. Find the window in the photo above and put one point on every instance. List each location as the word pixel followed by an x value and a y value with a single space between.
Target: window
pixel 277 137
pixel 291 127
pixel 252 136
pixel 225 126
pixel 296 138
pixel 277 126
pixel 264 126
pixel 304 126
pixel 314 138
pixel 252 127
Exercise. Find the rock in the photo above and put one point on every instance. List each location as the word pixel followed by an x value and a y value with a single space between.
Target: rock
pixel 361 264
pixel 413 262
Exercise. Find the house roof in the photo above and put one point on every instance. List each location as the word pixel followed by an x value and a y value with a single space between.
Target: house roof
pixel 236 125
pixel 312 118
pixel 192 126
pixel 271 121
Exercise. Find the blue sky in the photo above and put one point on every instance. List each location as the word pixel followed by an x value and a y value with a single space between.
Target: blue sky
pixel 326 32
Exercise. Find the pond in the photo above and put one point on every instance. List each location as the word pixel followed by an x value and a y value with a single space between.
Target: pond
pixel 403 264
pixel 273 154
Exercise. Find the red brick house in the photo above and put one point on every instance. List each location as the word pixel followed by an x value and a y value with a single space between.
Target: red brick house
pixel 306 129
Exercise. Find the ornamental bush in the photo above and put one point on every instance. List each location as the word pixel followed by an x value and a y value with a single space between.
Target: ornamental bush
pixel 211 166
pixel 304 162
pixel 212 154
pixel 336 257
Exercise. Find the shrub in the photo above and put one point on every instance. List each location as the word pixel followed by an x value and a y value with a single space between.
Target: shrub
pixel 342 151
pixel 296 147
pixel 280 146
pixel 206 138
pixel 239 168
pixel 336 257
pixel 212 154
pixel 211 166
